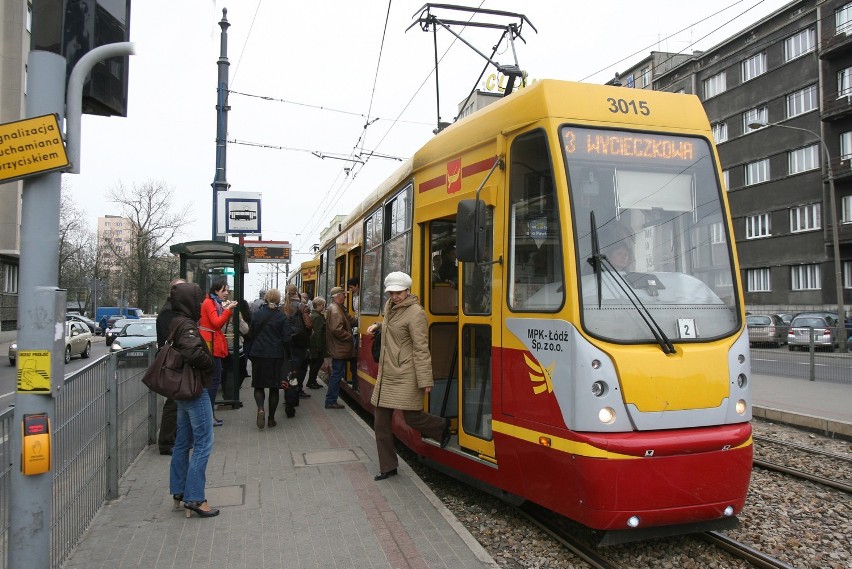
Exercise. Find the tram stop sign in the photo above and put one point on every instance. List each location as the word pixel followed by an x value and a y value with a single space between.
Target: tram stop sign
pixel 31 146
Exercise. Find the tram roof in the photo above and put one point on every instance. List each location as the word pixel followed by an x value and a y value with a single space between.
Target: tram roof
pixel 547 98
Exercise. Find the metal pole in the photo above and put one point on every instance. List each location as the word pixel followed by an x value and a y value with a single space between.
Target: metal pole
pixel 39 322
pixel 74 100
pixel 220 181
pixel 838 263
pixel 835 237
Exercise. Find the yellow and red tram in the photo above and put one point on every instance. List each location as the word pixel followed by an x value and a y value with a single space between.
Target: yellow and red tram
pixel 572 247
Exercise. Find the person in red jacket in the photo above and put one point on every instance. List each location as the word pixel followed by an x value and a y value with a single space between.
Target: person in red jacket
pixel 215 313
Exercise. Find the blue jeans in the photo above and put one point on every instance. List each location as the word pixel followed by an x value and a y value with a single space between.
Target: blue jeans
pixel 338 369
pixel 188 470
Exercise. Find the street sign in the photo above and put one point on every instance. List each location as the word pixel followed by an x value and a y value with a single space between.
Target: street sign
pixel 268 251
pixel 31 146
pixel 238 213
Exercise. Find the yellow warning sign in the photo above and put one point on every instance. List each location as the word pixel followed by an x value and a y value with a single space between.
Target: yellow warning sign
pixel 31 146
pixel 34 371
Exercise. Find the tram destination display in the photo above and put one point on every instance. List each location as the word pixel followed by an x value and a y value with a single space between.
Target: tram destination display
pixel 268 252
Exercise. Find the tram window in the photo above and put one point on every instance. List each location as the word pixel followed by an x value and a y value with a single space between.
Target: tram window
pixel 372 292
pixel 444 269
pixel 476 277
pixel 535 244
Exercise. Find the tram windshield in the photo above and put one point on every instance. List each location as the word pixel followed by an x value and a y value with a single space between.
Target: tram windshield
pixel 652 247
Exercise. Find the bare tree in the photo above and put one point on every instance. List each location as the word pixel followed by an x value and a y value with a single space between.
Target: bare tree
pixel 143 259
pixel 77 252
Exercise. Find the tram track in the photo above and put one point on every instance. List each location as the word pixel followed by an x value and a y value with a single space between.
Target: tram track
pixel 840 460
pixel 742 551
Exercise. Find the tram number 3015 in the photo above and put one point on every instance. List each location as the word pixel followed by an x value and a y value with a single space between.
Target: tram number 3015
pixel 628 107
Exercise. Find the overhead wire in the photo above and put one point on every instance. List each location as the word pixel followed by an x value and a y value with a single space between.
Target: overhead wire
pixel 668 37
pixel 346 176
pixel 245 43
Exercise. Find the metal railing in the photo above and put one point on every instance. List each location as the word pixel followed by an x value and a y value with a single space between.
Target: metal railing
pixel 810 354
pixel 104 418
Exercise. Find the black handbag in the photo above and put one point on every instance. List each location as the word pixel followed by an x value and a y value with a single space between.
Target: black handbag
pixel 377 345
pixel 171 377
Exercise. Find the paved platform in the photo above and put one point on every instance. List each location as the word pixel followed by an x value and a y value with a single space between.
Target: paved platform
pixel 817 405
pixel 299 495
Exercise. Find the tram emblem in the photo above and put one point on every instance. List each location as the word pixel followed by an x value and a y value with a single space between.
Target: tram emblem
pixel 454 176
pixel 540 376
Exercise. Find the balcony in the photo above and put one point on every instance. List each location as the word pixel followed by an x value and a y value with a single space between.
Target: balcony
pixel 841 168
pixel 836 106
pixel 835 44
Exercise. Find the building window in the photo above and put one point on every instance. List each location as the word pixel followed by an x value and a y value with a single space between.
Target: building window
pixel 847 274
pixel 758 280
pixel 757 172
pixel 720 132
pixel 717 233
pixel 846 209
pixel 802 101
pixel 844 82
pixel 10 278
pixel 757 114
pixel 646 77
pixel 843 19
pixel 714 85
pixel 725 178
pixel 803 159
pixel 754 66
pixel 846 145
pixel 804 277
pixel 799 44
pixel 758 226
pixel 805 218
pixel 630 81
pixel 30 17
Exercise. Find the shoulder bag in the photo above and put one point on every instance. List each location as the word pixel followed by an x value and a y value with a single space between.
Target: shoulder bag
pixel 377 345
pixel 170 375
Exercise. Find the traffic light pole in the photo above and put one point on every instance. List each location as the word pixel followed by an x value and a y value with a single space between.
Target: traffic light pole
pixel 41 312
pixel 31 500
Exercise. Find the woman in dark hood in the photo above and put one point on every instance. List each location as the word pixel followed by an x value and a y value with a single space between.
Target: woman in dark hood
pixel 187 474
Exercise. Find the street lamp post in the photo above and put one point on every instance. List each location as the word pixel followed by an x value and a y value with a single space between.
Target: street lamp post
pixel 835 238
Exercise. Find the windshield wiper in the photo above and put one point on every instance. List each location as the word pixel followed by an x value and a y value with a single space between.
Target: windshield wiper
pixel 595 259
pixel 663 340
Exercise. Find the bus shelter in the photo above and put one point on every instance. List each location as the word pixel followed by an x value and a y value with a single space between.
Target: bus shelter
pixel 201 262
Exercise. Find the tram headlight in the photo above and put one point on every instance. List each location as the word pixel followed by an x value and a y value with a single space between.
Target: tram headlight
pixel 596 364
pixel 729 511
pixel 741 407
pixel 633 521
pixel 599 388
pixel 607 415
pixel 742 380
pixel 741 359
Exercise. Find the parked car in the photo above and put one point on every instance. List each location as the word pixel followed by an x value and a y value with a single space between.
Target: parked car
pixel 78 342
pixel 824 332
pixel 90 324
pixel 114 326
pixel 766 329
pixel 132 340
pixel 136 333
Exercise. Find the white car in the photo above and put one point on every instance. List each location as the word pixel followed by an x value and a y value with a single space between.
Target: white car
pixel 78 342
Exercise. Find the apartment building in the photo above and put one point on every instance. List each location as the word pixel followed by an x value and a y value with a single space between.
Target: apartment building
pixel 791 71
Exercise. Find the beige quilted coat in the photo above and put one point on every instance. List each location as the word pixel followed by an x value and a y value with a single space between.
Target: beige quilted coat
pixel 405 364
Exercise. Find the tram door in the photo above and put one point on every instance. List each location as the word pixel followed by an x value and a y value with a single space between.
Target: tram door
pixel 460 300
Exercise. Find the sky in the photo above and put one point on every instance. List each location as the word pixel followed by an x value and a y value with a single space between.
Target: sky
pixel 306 77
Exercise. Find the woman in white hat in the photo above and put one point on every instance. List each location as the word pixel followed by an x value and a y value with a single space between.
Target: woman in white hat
pixel 405 372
